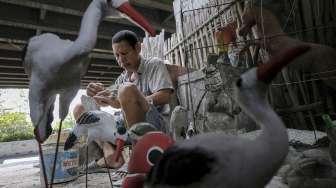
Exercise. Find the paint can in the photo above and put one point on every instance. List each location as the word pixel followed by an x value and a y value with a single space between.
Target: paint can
pixel 66 163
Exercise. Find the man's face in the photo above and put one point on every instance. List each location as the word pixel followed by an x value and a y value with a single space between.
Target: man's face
pixel 127 57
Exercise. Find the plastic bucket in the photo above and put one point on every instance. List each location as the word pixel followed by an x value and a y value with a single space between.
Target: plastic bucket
pixel 66 163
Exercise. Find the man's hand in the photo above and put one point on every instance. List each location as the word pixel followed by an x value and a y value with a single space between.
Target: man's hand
pixel 105 98
pixel 93 88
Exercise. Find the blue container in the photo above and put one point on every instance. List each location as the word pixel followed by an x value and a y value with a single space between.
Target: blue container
pixel 66 163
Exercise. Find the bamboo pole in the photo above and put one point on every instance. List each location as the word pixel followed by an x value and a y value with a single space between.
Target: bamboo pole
pixel 307 13
pixel 204 51
pixel 298 25
pixel 305 99
pixel 206 23
pixel 318 12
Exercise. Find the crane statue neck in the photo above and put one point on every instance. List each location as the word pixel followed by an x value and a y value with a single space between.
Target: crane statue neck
pixel 253 99
pixel 87 36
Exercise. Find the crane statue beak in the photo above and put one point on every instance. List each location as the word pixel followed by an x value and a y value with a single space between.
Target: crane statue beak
pixel 136 17
pixel 269 70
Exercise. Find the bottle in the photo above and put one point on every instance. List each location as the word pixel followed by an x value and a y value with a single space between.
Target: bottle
pixel 190 129
pixel 120 125
pixel 330 127
pixel 331 133
pixel 121 135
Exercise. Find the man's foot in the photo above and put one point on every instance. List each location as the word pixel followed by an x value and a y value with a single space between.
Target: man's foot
pixel 110 160
pixel 120 173
pixel 93 167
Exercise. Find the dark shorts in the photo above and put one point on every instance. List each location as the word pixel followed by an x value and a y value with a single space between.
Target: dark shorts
pixel 154 117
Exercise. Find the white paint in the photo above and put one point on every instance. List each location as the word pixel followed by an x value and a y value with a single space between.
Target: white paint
pixel 21 160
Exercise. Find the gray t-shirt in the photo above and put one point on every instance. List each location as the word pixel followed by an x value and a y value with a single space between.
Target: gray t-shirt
pixel 153 76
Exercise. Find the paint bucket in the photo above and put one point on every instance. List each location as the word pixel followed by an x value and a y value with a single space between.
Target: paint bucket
pixel 66 164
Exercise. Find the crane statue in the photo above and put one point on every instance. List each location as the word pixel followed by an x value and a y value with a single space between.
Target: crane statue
pixel 220 160
pixel 55 66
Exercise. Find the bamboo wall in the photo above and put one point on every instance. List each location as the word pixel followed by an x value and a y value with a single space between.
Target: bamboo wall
pixel 194 38
pixel 298 97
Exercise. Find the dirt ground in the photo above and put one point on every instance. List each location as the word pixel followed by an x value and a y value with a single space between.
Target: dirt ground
pixel 27 175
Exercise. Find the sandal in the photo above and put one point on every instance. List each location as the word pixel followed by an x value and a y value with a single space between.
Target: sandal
pixel 120 173
pixel 93 167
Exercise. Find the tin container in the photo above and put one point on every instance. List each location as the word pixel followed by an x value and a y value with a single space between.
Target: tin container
pixel 66 162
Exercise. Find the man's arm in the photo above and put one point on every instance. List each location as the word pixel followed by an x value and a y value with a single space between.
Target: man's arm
pixel 160 97
pixel 106 98
pixel 160 83
pixel 93 88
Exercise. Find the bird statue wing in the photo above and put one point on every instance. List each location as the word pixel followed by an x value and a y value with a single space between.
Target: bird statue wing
pixel 88 118
pixel 86 121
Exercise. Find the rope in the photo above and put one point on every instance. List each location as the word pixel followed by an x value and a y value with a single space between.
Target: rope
pixel 298 82
pixel 56 152
pixel 324 72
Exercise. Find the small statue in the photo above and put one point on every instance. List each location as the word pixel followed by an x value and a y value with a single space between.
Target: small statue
pixel 331 132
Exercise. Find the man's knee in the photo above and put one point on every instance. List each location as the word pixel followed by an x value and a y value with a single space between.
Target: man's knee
pixel 128 92
pixel 78 111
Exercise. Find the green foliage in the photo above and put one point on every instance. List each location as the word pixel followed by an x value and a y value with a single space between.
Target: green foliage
pixel 15 126
pixel 67 123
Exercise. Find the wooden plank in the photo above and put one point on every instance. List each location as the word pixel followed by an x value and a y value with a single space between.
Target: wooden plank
pixel 198 51
pixel 181 47
pixel 204 51
pixel 212 30
pixel 192 53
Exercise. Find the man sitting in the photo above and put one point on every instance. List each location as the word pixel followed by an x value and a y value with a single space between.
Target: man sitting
pixel 144 88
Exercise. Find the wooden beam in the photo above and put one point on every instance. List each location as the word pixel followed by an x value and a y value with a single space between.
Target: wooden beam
pixel 17 45
pixel 45 28
pixel 9 81
pixel 153 4
pixel 13 65
pixel 85 78
pixel 79 13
